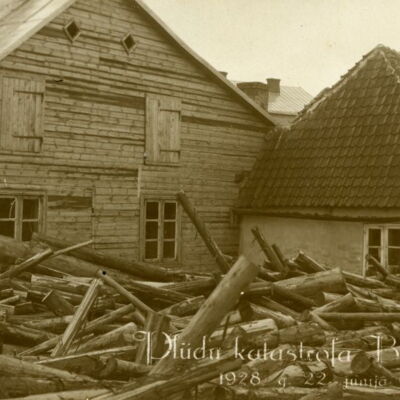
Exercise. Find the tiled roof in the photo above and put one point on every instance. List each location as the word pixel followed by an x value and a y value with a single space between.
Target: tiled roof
pixel 290 101
pixel 344 148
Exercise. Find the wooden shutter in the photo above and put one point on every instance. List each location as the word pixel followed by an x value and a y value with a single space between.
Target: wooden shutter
pixel 22 109
pixel 163 126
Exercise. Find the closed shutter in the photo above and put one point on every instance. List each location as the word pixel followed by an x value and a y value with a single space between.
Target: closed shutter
pixel 22 112
pixel 163 126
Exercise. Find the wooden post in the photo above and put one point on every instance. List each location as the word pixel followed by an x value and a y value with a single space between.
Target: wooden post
pixel 214 309
pixel 203 231
pixel 123 292
pixel 78 320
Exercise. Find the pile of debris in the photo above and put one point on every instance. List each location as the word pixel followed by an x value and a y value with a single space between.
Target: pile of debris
pixel 78 324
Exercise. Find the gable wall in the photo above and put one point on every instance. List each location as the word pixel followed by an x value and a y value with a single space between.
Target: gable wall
pixel 93 144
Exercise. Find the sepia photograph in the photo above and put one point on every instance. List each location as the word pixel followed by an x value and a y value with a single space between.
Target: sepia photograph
pixel 199 199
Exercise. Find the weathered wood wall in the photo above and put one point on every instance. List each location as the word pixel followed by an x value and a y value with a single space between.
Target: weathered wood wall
pixel 91 161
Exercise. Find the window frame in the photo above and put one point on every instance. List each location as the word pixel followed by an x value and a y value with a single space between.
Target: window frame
pixel 384 246
pixel 161 200
pixel 18 215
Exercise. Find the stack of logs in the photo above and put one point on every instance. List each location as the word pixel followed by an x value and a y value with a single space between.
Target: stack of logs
pixel 78 324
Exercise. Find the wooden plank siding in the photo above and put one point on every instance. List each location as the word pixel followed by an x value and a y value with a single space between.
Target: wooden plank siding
pixel 91 165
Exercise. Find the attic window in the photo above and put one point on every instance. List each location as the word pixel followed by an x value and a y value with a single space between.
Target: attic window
pixel 129 43
pixel 72 30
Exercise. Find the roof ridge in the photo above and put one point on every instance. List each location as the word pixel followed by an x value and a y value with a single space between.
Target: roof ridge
pixel 329 91
pixel 389 63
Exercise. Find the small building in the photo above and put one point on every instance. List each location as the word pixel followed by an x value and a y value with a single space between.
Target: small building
pixel 331 186
pixel 284 103
pixel 105 114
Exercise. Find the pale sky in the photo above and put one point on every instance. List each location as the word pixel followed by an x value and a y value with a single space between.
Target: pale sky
pixel 308 43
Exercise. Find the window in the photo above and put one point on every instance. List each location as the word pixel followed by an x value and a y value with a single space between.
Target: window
pixel 20 216
pixel 163 125
pixel 383 243
pixel 129 43
pixel 160 230
pixel 72 31
pixel 22 109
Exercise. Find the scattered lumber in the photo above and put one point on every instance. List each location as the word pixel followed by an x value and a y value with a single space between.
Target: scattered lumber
pixel 299 329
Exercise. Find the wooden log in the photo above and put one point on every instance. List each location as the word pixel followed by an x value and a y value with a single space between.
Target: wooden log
pixel 185 307
pixel 247 330
pixel 165 296
pixel 269 252
pixel 92 326
pixel 162 389
pixel 25 386
pixel 144 270
pixel 255 311
pixel 11 250
pixel 358 280
pixel 195 287
pixel 388 317
pixel 308 334
pixel 30 262
pixel 310 264
pixel 10 300
pixel 13 367
pixel 123 292
pixel 122 336
pixel 327 281
pixel 356 364
pixel 37 293
pixel 342 303
pixel 283 293
pixel 83 394
pixel 287 393
pixel 322 323
pixel 55 325
pixel 6 293
pixel 275 306
pixel 90 363
pixel 387 277
pixel 203 231
pixel 58 304
pixel 121 369
pixel 377 368
pixel 221 301
pixel 389 357
pixel 78 320
pixel 22 335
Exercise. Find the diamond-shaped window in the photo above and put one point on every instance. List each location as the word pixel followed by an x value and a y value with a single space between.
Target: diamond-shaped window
pixel 72 30
pixel 129 43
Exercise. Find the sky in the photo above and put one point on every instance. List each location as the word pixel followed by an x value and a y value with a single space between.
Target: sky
pixel 307 43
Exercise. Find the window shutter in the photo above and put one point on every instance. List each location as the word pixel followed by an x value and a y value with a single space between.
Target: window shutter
pixel 22 110
pixel 163 126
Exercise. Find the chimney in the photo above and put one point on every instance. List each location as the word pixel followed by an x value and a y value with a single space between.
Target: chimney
pixel 225 74
pixel 274 85
pixel 257 91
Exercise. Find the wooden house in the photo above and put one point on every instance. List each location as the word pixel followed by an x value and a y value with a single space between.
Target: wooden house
pixel 105 114
pixel 331 185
